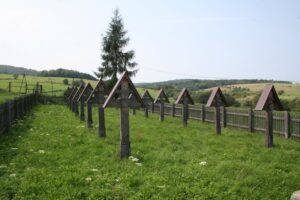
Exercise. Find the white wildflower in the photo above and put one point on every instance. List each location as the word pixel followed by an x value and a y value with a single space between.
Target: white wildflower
pixel 139 164
pixel 14 148
pixel 94 170
pixel 135 159
pixel 88 179
pixel 41 151
pixel 12 175
pixel 117 180
pixel 3 166
pixel 202 163
pixel 130 157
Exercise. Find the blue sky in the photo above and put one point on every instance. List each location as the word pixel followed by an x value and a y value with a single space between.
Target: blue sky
pixel 172 39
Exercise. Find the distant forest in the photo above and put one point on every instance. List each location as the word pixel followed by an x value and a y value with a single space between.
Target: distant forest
pixel 7 69
pixel 197 84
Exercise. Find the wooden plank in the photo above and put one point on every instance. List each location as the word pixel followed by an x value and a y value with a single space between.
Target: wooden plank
pixel 287 124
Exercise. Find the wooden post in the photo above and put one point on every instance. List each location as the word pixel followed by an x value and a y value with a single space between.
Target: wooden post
pixel 7 116
pixel 224 116
pixel 269 129
pixel 173 110
pixel 76 108
pixel 287 124
pixel 162 110
pixel 203 112
pixel 133 111
pixel 9 87
pixel 152 107
pixel 146 109
pixel 26 88
pixel 89 114
pixel 16 111
pixel 185 109
pixel 125 151
pixel 101 128
pixel 251 120
pixel 217 120
pixel 82 109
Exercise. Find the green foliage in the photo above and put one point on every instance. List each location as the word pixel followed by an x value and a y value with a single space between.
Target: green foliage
pixel 114 56
pixel 66 81
pixel 66 73
pixel 78 82
pixel 52 155
pixel 15 76
pixel 7 69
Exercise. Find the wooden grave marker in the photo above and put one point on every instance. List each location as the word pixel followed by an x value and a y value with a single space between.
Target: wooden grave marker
pixel 75 97
pixel 161 99
pixel 86 92
pixel 147 98
pixel 185 99
pixel 70 102
pixel 268 102
pixel 217 100
pixel 98 96
pixel 118 97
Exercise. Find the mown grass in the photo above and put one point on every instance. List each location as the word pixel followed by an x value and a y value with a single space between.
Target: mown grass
pixel 52 155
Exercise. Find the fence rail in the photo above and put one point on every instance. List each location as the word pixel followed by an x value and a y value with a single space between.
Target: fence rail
pixel 284 123
pixel 15 109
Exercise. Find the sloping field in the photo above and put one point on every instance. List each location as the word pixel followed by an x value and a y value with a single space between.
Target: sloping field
pixel 52 155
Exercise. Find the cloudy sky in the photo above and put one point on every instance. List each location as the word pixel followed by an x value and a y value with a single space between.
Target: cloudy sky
pixel 172 39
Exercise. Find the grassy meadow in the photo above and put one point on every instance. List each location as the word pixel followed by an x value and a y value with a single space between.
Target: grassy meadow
pixel 52 155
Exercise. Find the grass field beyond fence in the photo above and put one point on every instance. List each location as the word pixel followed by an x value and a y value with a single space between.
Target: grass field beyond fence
pixel 52 155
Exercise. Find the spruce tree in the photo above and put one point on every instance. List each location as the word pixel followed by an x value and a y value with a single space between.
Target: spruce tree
pixel 115 59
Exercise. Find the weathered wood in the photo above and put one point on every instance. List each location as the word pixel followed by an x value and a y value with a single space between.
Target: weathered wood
pixel 287 124
pixel 89 114
pixel 146 111
pixel 133 111
pixel 203 112
pixel 224 116
pixel 152 107
pixel 173 110
pixel 76 108
pixel 161 110
pixel 101 128
pixel 218 120
pixel 251 120
pixel 185 112
pixel 146 97
pixel 125 151
pixel 82 117
pixel 269 129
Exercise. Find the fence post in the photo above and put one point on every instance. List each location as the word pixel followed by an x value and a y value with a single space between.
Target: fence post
pixel 185 112
pixel 162 110
pixel 269 129
pixel 6 116
pixel 76 108
pixel 218 120
pixel 203 112
pixel 102 129
pixel 152 107
pixel 173 110
pixel 287 124
pixel 89 114
pixel 251 120
pixel 9 87
pixel 224 116
pixel 133 111
pixel 146 109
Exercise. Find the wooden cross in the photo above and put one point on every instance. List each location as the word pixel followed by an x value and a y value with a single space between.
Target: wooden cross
pixel 185 99
pixel 118 97
pixel 86 92
pixel 161 99
pixel 75 98
pixel 269 101
pixel 98 96
pixel 146 97
pixel 216 100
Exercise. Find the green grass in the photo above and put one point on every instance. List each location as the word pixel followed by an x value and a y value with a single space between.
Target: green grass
pixel 56 154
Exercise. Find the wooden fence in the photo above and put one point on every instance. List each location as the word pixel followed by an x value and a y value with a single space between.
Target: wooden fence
pixel 15 109
pixel 284 122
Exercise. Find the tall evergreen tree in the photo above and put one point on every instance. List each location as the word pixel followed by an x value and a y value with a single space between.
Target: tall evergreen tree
pixel 114 55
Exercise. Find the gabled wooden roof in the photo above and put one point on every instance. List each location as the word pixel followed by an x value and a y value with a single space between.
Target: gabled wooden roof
pixel 94 96
pixel 115 93
pixel 146 96
pixel 74 90
pixel 269 96
pixel 162 94
pixel 184 93
pixel 81 87
pixel 215 96
pixel 86 91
